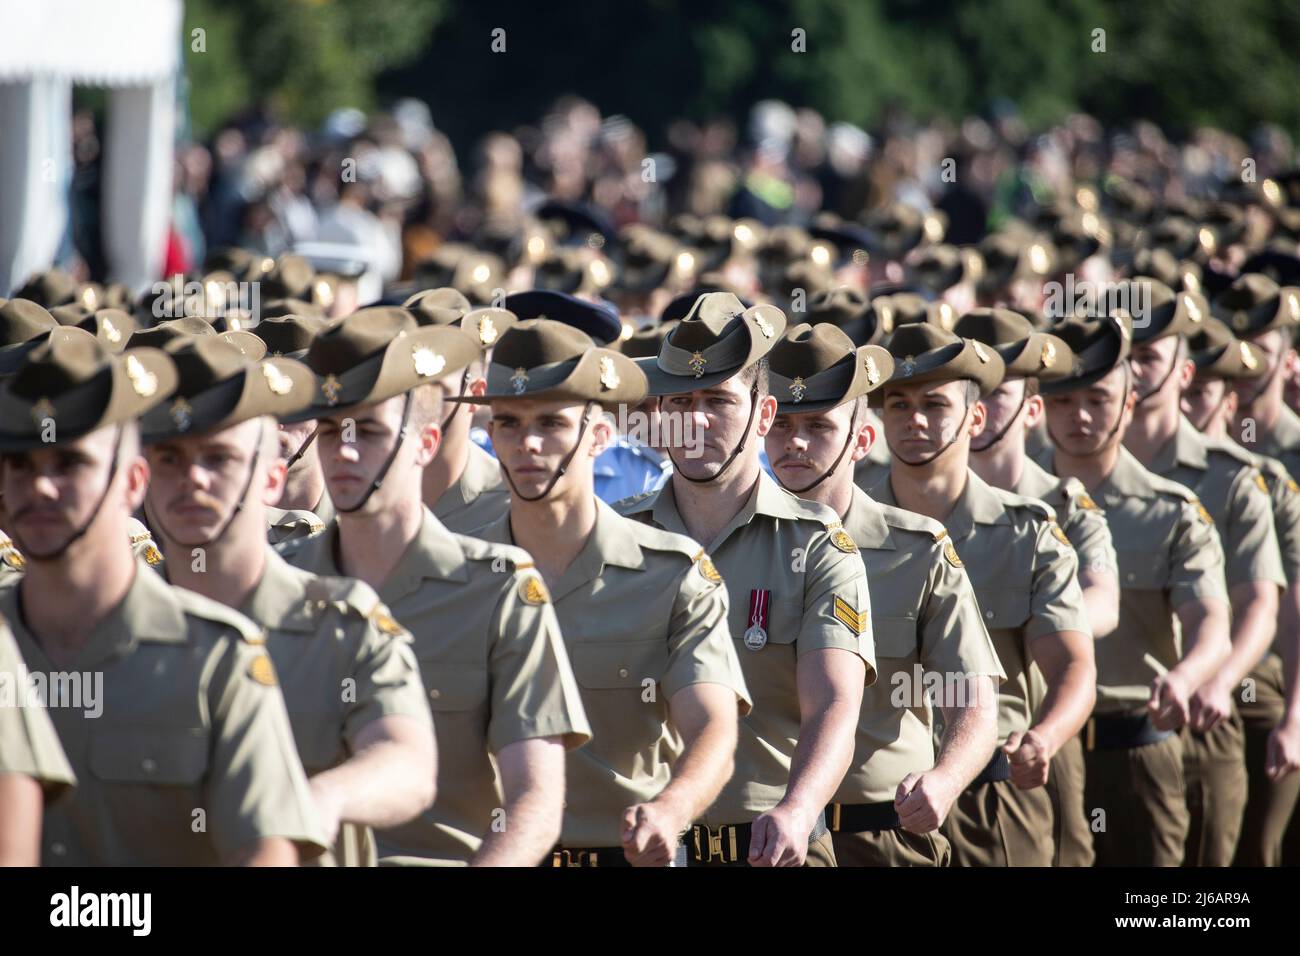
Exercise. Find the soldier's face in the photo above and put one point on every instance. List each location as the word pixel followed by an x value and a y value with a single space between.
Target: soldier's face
pixel 1004 408
pixel 354 447
pixel 921 419
pixel 51 492
pixel 532 437
pixel 802 447
pixel 198 481
pixel 1080 421
pixel 717 422
pixel 1277 355
pixel 1152 368
pixel 1208 402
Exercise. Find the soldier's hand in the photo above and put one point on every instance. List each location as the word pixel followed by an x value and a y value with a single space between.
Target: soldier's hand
pixel 1169 704
pixel 1283 750
pixel 329 806
pixel 923 801
pixel 649 835
pixel 778 839
pixel 1027 753
pixel 1210 704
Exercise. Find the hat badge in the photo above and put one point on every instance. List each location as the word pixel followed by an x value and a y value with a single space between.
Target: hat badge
pixel 1048 358
pixel 519 380
pixel 330 388
pixel 946 316
pixel 873 372
pixel 764 326
pixel 797 388
pixel 980 353
pixel 1247 356
pixel 1193 310
pixel 276 381
pixel 487 330
pixel 1240 321
pixel 110 331
pixel 427 362
pixel 697 363
pixel 908 366
pixel 143 381
pixel 43 411
pixel 1293 306
pixel 608 376
pixel 182 414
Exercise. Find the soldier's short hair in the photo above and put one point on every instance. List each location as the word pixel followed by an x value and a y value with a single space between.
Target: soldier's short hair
pixel 756 374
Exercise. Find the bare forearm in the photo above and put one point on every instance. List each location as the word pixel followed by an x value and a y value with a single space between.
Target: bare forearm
pixel 384 785
pixel 1102 606
pixel 1071 695
pixel 1289 627
pixel 531 827
pixel 20 820
pixel 1205 642
pixel 270 851
pixel 822 757
pixel 969 733
pixel 701 771
pixel 1254 623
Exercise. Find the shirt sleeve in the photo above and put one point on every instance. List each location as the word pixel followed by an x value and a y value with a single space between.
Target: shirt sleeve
pixel 953 636
pixel 837 606
pixel 700 648
pixel 1286 524
pixel 533 690
pixel 1249 539
pixel 387 677
pixel 29 744
pixel 1195 558
pixel 1094 548
pixel 256 788
pixel 1056 601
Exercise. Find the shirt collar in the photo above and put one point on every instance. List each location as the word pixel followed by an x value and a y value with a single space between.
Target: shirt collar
pixel 865 522
pixel 1184 448
pixel 435 553
pixel 279 600
pixel 977 504
pixel 1128 479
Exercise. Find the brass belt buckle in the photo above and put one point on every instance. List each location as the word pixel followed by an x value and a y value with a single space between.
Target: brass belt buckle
pixel 834 821
pixel 1090 734
pixel 713 839
pixel 572 858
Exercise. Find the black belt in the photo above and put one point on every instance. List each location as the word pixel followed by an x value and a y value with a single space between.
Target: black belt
pixel 999 768
pixel 860 817
pixel 1121 732
pixel 729 843
pixel 599 856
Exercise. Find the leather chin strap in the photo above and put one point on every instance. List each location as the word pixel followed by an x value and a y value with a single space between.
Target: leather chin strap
pixel 77 535
pixel 302 449
pixel 853 430
pixel 239 504
pixel 559 472
pixel 1128 379
pixel 388 462
pixel 1172 365
pixel 948 444
pixel 455 406
pixel 753 409
pixel 1005 428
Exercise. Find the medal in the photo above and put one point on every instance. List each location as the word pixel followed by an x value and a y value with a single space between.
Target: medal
pixel 756 636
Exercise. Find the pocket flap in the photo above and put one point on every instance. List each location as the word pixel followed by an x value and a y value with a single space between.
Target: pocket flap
pixel 895 637
pixel 1143 570
pixel 603 666
pixel 450 687
pixel 1003 608
pixel 144 755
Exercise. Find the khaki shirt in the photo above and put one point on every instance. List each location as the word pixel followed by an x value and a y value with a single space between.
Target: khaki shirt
pixel 926 622
pixel 12 562
pixel 1169 554
pixel 1236 495
pixel 1081 518
pixel 818 598
pixel 494 668
pixel 1025 576
pixel 1283 442
pixel 343 663
pixel 480 497
pixel 643 614
pixel 28 743
pixel 191 757
pixel 282 525
pixel 1284 498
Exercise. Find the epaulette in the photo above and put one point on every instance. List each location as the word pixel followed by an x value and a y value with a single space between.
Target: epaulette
pixel 901 519
pixel 635 503
pixel 349 595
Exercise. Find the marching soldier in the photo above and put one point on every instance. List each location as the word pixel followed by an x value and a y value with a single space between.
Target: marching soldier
pixel 897 793
pixel 199 768
pixel 347 671
pixel 999 455
pixel 494 666
pixel 33 768
pixel 1173 622
pixel 643 611
pixel 1235 494
pixel 1024 573
pixel 800 606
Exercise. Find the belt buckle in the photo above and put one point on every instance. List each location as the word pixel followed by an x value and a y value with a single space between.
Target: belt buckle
pixel 1090 734
pixel 568 858
pixel 714 842
pixel 832 819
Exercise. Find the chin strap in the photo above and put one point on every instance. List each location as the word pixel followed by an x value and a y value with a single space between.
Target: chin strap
pixel 559 472
pixel 302 449
pixel 80 532
pixel 753 409
pixel 1005 428
pixel 239 504
pixel 455 406
pixel 388 462
pixel 1172 365
pixel 853 428
pixel 948 444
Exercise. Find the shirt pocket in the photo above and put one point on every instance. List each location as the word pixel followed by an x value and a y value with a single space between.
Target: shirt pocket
pixel 150 756
pixel 454 687
pixel 897 657
pixel 618 665
pixel 1144 570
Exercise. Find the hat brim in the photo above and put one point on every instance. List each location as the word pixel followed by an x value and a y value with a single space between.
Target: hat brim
pixel 862 383
pixel 987 372
pixel 620 382
pixel 234 401
pixel 662 382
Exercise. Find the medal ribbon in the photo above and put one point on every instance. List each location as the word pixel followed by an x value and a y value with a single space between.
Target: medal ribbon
pixel 758 608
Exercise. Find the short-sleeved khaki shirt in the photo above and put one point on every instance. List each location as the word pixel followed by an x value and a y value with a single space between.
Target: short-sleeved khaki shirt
pixel 1081 518
pixel 191 757
pixel 1235 494
pixel 795 557
pixel 1169 554
pixel 1026 580
pixel 478 498
pixel 494 668
pixel 28 743
pixel 1283 442
pixel 342 662
pixel 644 614
pixel 926 622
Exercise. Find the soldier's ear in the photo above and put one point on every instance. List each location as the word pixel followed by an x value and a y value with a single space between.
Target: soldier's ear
pixel 865 441
pixel 135 482
pixel 273 487
pixel 766 414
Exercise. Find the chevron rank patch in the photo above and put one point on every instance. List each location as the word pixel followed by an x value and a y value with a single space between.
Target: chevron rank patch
pixel 846 615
